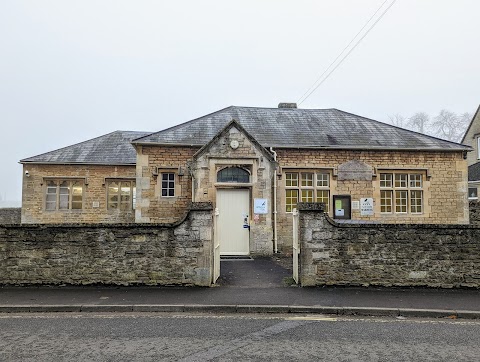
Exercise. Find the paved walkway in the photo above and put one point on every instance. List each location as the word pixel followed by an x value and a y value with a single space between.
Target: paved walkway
pixel 247 285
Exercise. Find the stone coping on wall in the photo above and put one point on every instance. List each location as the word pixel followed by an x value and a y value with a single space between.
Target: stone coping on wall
pixel 10 215
pixel 399 226
pixel 320 207
pixel 201 206
pixel 311 206
pixel 194 206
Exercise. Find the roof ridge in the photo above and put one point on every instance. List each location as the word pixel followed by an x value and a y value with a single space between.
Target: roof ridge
pixel 288 109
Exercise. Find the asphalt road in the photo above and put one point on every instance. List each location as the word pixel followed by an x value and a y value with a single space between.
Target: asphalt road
pixel 161 337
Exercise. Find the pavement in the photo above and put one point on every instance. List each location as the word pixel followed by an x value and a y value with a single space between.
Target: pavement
pixel 262 285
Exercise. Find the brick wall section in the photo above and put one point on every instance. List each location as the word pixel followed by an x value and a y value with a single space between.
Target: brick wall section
pixel 386 255
pixel 122 254
pixel 151 206
pixel 474 207
pixel 10 215
pixel 445 192
pixel 34 188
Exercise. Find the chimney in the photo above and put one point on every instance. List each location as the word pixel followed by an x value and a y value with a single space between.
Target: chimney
pixel 287 105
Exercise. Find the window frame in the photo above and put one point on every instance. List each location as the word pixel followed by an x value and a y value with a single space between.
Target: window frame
pixel 385 195
pixel 71 184
pixel 407 189
pixel 133 193
pixel 244 172
pixel 478 147
pixel 476 192
pixel 169 187
pixel 305 184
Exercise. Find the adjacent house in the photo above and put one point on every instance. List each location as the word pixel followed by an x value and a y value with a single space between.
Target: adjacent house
pixel 254 165
pixel 472 139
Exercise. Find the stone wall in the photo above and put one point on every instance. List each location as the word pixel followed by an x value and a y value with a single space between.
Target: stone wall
pixel 474 207
pixel 386 254
pixel 10 215
pixel 124 254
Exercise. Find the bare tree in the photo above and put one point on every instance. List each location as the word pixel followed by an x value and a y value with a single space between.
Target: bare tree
pixel 449 125
pixel 397 120
pixel 419 122
pixel 466 118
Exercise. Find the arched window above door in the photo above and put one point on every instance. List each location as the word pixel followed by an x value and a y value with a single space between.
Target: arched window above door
pixel 233 174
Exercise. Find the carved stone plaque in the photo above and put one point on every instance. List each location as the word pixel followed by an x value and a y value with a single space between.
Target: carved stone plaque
pixel 355 170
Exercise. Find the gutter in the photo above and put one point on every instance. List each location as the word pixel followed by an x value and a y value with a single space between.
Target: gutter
pixel 22 162
pixel 316 147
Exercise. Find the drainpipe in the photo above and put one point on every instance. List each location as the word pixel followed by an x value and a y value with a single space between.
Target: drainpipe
pixel 275 238
pixel 190 171
pixel 193 189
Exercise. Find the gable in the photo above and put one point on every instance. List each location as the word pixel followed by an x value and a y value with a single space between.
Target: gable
pixel 471 138
pixel 473 127
pixel 233 141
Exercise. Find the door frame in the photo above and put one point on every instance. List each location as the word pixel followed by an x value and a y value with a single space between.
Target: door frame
pixel 235 187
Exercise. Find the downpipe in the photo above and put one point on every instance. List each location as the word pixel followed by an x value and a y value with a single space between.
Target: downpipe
pixel 275 237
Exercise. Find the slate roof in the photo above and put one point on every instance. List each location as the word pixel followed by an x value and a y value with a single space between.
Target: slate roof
pixel 474 172
pixel 301 128
pixel 271 127
pixel 111 149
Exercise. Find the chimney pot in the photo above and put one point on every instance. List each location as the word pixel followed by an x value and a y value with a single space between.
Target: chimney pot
pixel 287 105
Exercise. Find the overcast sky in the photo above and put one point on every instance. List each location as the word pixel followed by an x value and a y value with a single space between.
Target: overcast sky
pixel 74 70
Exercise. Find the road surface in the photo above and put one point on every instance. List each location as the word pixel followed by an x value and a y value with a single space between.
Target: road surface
pixel 183 337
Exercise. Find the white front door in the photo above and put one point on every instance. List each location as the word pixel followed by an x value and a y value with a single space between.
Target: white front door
pixel 233 221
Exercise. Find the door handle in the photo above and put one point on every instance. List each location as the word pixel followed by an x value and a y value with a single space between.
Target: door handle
pixel 246 225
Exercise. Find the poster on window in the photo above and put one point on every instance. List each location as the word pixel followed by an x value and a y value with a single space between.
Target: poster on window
pixel 260 206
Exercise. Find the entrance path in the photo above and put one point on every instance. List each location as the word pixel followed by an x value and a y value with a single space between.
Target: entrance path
pixel 256 272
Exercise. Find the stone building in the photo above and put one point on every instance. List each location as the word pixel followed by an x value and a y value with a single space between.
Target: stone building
pixel 254 164
pixel 472 139
pixel 90 182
